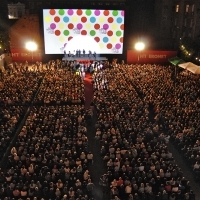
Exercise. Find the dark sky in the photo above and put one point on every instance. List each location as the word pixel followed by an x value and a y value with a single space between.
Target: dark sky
pixel 141 14
pixel 140 22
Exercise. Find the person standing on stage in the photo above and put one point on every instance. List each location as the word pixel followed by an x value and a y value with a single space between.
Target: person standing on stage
pixel 94 54
pixel 79 53
pixel 83 52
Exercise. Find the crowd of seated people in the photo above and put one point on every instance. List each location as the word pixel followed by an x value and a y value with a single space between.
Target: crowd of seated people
pixel 9 121
pixel 50 158
pixel 139 107
pixel 62 86
pixel 133 137
pixel 19 88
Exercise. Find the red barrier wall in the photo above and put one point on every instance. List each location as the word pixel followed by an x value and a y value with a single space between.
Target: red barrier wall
pixel 152 57
pixel 23 55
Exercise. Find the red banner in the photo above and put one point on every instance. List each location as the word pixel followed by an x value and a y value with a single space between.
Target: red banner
pixel 23 55
pixel 157 57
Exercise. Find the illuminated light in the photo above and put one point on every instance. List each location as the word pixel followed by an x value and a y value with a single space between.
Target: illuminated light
pixel 139 46
pixel 31 46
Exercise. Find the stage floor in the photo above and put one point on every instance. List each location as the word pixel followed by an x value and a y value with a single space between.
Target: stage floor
pixel 82 58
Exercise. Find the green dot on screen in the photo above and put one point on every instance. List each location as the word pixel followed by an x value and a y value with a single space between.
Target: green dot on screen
pixel 88 12
pixel 61 12
pixel 115 12
pixel 66 32
pixel 118 33
pixel 92 32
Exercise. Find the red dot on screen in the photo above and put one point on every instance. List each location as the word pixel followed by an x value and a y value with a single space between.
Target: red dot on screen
pixel 83 32
pixel 97 26
pixel 56 19
pixel 109 46
pixel 52 12
pixel 109 33
pixel 70 26
pixel 122 26
pixel 57 32
pixel 106 12
pixel 79 12
pixel 121 39
pixel 110 19
pixel 97 39
pixel 69 38
pixel 83 19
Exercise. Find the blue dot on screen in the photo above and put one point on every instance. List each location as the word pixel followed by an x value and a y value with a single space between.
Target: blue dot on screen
pixel 119 20
pixel 92 19
pixel 66 19
pixel 105 39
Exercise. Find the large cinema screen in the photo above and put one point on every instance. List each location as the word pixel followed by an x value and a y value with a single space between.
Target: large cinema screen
pixel 100 31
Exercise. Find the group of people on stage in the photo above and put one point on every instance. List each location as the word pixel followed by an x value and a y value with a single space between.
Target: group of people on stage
pixel 79 53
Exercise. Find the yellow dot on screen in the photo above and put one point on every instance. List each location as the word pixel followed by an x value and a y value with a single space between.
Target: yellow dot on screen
pixel 114 39
pixel 47 19
pixel 101 19
pixel 74 19
pixel 61 26
pixel 88 26
pixel 61 38
pixel 101 45
pixel 114 26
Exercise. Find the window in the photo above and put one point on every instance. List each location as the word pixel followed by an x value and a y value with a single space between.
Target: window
pixel 187 8
pixel 193 9
pixel 177 8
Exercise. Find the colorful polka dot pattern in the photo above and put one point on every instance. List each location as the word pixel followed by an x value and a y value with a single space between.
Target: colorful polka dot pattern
pixel 105 26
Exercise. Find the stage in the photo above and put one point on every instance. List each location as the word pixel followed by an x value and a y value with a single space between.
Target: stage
pixel 84 58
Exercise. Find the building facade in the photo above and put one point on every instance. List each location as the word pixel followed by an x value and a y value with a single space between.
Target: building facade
pixel 16 11
pixel 166 21
pixel 176 19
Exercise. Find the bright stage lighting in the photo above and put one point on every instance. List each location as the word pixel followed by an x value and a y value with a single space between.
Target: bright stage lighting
pixel 31 46
pixel 139 46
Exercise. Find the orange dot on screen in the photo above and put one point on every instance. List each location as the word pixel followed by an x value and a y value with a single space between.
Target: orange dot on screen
pixel 122 27
pixel 106 12
pixel 83 32
pixel 57 32
pixel 56 19
pixel 96 26
pixel 79 12
pixel 83 19
pixel 52 12
pixel 110 33
pixel 109 46
pixel 70 26
pixel 121 39
pixel 110 20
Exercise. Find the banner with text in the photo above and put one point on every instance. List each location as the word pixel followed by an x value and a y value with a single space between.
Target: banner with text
pixel 25 55
pixel 151 57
